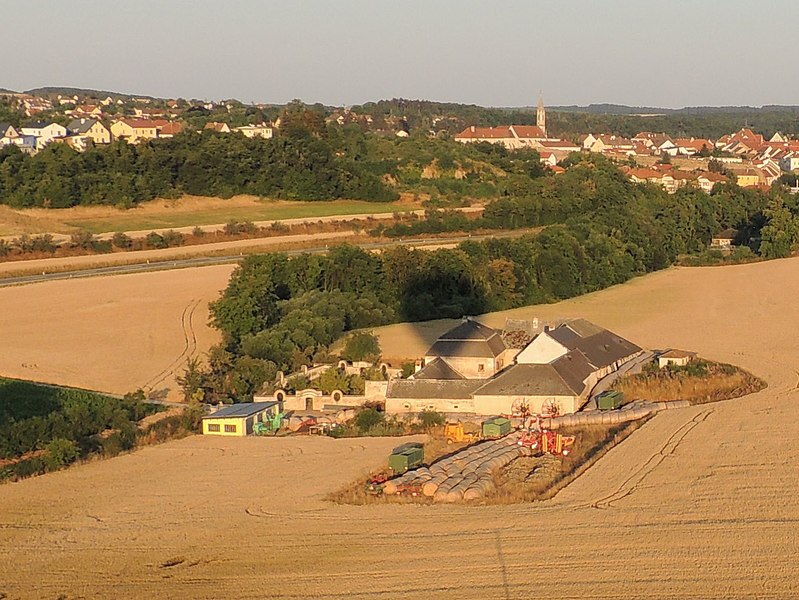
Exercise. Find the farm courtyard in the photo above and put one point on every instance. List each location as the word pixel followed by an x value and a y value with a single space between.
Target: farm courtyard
pixel 700 502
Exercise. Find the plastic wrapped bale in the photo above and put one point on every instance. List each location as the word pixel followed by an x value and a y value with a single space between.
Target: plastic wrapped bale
pixel 429 489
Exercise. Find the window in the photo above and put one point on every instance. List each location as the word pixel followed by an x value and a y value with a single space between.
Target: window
pixel 230 429
pixel 213 426
pixel 481 368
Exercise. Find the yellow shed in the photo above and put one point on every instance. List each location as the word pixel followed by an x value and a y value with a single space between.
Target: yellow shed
pixel 237 419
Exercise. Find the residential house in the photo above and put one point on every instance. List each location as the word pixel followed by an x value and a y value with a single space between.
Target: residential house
pixel 91 129
pixel 168 129
pixel 748 176
pixel 548 158
pixel 217 127
pixel 87 110
pixel 134 130
pixel 11 136
pixel 252 131
pixel 44 132
pixel 694 146
pixel 707 180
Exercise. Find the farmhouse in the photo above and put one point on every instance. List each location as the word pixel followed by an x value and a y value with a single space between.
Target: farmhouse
pixel 554 373
pixel 237 419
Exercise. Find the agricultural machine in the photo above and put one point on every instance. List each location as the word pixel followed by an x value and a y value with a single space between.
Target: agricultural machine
pixel 546 442
pixel 455 434
pixel 270 426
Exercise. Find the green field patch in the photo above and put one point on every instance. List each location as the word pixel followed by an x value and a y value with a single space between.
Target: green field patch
pixel 134 220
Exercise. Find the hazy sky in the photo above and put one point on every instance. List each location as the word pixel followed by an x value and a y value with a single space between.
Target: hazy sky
pixel 668 53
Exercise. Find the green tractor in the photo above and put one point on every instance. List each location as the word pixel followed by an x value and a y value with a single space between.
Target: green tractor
pixel 270 425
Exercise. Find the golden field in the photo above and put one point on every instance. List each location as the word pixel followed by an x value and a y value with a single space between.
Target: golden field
pixel 701 502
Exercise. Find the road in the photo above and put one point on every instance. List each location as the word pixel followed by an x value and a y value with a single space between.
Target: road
pixel 202 261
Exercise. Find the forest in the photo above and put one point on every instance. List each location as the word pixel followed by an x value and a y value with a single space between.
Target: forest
pixel 280 312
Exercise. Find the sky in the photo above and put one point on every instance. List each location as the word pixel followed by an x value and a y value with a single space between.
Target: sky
pixel 663 53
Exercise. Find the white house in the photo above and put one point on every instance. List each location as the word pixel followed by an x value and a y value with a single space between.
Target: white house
pixel 44 132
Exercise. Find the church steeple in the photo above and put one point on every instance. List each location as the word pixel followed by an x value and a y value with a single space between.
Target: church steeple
pixel 541 115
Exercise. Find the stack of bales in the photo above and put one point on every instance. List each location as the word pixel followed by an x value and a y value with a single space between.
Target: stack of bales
pixel 466 475
pixel 630 412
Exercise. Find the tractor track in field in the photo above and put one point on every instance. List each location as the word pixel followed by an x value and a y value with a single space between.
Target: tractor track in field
pixel 631 484
pixel 189 346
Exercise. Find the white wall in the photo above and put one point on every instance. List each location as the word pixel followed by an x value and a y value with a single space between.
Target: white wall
pixel 541 351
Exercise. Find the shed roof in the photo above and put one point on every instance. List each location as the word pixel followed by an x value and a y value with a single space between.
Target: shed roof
pixel 469 338
pixel 677 354
pixel 531 380
pixel 438 368
pixel 433 388
pixel 600 346
pixel 244 409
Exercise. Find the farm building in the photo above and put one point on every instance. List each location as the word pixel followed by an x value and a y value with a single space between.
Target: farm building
pixel 554 373
pixel 678 358
pixel 237 419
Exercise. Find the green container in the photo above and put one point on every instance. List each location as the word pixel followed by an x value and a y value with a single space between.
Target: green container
pixel 406 457
pixel 609 400
pixel 496 427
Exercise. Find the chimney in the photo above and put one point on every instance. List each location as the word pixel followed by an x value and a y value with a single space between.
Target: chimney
pixel 418 366
pixel 472 128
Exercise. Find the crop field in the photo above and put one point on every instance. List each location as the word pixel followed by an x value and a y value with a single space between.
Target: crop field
pixel 110 334
pixel 701 502
pixel 185 212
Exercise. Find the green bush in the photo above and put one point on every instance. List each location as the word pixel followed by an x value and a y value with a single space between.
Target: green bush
pixel 430 418
pixel 368 418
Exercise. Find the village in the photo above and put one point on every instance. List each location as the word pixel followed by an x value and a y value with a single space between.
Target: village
pixel 744 157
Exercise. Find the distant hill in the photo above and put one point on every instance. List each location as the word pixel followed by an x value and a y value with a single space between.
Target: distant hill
pixel 70 91
pixel 621 109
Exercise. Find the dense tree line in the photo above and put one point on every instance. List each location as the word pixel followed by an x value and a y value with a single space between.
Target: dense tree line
pixel 63 423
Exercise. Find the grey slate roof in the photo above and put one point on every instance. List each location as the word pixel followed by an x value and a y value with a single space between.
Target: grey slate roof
pixel 3 128
pixel 245 409
pixel 469 338
pixel 80 125
pixel 438 368
pixel 433 388
pixel 601 347
pixel 532 380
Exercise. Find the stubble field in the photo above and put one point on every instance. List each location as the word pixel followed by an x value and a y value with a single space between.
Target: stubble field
pixel 699 503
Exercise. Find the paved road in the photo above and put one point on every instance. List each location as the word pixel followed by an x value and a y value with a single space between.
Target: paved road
pixel 202 261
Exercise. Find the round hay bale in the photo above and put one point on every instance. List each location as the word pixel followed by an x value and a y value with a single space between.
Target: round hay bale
pixel 390 488
pixel 429 489
pixel 615 418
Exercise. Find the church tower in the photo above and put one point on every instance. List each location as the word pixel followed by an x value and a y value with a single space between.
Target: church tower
pixel 541 115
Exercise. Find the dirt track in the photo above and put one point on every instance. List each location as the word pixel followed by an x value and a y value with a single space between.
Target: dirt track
pixel 699 503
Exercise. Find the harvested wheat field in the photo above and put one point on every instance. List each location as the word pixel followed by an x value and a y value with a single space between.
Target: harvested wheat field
pixel 111 334
pixel 701 502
